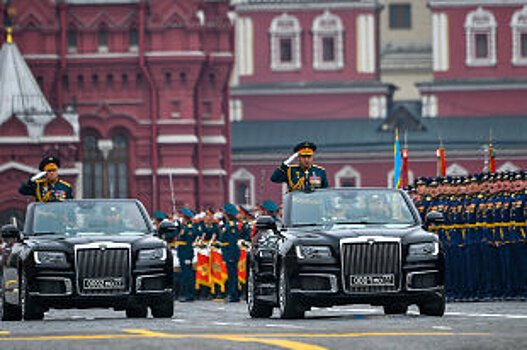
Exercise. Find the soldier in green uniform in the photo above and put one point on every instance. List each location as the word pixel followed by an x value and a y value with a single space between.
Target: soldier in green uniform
pixel 46 185
pixel 185 253
pixel 304 176
pixel 228 239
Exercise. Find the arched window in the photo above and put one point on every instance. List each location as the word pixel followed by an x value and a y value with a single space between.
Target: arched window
pixel 71 37
pixel 519 37
pixel 102 38
pixel 133 39
pixel 241 187
pixel 285 43
pixel 105 169
pixel 327 42
pixel 347 177
pixel 480 33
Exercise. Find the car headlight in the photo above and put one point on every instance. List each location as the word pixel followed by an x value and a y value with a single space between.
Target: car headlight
pixel 157 254
pixel 313 252
pixel 423 249
pixel 56 259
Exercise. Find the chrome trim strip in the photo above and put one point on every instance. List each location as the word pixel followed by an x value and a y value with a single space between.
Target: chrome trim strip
pixel 67 283
pixel 108 245
pixel 410 275
pixel 366 239
pixel 332 282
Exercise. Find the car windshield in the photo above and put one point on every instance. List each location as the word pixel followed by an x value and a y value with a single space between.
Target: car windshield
pixel 353 207
pixel 83 218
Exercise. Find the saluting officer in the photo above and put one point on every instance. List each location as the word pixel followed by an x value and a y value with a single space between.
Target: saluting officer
pixel 185 253
pixel 304 176
pixel 229 249
pixel 46 185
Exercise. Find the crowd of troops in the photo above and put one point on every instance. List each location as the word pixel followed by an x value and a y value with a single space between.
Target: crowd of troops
pixel 210 249
pixel 483 233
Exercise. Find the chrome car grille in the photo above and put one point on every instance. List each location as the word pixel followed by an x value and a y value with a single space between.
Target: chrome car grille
pixel 371 257
pixel 101 263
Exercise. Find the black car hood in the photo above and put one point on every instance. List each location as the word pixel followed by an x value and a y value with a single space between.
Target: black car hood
pixel 407 234
pixel 68 243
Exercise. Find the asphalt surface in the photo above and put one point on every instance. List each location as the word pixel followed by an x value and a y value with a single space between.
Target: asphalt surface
pixel 219 325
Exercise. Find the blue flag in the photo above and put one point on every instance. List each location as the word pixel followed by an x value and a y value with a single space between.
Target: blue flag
pixel 398 162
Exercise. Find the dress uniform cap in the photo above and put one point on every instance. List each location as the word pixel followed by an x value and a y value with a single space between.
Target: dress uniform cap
pixel 270 205
pixel 48 163
pixel 160 215
pixel 245 210
pixel 305 148
pixel 230 209
pixel 186 213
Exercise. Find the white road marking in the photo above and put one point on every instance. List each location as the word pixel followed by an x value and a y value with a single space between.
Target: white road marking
pixel 229 323
pixel 486 315
pixel 178 320
pixel 442 328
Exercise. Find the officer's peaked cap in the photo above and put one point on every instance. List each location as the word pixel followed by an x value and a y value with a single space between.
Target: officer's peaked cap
pixel 186 212
pixel 270 205
pixel 48 161
pixel 305 148
pixel 230 209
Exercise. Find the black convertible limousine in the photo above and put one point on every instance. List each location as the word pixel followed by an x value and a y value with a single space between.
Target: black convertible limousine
pixel 346 246
pixel 83 254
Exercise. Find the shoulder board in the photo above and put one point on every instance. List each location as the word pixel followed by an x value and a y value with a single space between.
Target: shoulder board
pixel 41 181
pixel 318 167
pixel 64 183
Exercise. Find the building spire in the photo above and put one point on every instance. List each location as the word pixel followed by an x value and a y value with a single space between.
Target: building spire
pixel 9 38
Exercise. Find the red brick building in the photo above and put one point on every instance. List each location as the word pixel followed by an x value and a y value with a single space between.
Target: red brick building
pixel 309 69
pixel 148 82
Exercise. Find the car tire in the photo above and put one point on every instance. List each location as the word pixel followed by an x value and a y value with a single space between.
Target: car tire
pixel 10 312
pixel 256 308
pixel 288 303
pixel 136 311
pixel 395 309
pixel 435 307
pixel 30 309
pixel 163 307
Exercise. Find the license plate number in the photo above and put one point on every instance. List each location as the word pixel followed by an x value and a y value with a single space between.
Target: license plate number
pixel 103 283
pixel 372 280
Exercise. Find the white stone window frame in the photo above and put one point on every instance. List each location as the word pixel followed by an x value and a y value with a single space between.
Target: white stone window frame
pixel 480 21
pixel 518 27
pixel 285 27
pixel 391 176
pixel 319 33
pixel 429 106
pixel 456 170
pixel 242 174
pixel 347 172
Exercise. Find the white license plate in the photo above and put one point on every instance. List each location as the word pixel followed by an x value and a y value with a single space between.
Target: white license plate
pixel 372 280
pixel 103 283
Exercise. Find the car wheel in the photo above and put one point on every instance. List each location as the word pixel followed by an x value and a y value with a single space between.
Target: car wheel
pixel 435 307
pixel 136 311
pixel 395 309
pixel 10 312
pixel 256 308
pixel 30 309
pixel 287 302
pixel 163 307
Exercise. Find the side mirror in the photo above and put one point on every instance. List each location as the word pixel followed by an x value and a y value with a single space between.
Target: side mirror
pixel 266 223
pixel 10 232
pixel 434 218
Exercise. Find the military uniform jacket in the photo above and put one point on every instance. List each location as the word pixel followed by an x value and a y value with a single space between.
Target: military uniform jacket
pixel 298 179
pixel 229 241
pixel 186 237
pixel 43 191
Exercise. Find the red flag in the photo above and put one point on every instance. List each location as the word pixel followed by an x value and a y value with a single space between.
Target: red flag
pixel 492 159
pixel 218 268
pixel 203 275
pixel 441 161
pixel 404 155
pixel 242 267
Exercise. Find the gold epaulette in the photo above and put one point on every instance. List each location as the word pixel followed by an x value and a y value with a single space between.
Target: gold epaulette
pixel 64 183
pixel 180 243
pixel 318 166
